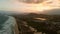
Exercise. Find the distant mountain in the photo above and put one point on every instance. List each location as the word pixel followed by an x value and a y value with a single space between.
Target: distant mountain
pixel 53 12
pixel 9 12
pixel 47 12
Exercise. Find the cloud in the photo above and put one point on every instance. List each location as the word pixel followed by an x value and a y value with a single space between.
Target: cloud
pixel 31 1
pixel 15 5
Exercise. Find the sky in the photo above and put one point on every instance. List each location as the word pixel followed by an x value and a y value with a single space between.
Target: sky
pixel 8 5
pixel 16 5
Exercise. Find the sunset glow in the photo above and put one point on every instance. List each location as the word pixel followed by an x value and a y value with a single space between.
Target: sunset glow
pixel 41 7
pixel 16 5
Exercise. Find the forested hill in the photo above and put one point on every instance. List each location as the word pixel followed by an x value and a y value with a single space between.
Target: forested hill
pixel 49 24
pixel 34 15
